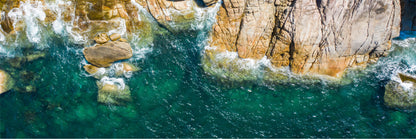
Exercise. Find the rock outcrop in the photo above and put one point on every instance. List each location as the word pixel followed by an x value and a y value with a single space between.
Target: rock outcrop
pixel 401 94
pixel 318 37
pixel 6 82
pixel 105 54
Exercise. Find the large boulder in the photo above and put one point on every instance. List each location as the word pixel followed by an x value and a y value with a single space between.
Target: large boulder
pixel 113 91
pixel 6 82
pixel 105 54
pixel 401 94
pixel 317 37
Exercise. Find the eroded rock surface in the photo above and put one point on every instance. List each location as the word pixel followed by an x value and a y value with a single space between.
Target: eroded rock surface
pixel 105 54
pixel 318 37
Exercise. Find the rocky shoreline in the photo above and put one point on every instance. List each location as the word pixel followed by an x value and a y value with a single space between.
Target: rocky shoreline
pixel 306 38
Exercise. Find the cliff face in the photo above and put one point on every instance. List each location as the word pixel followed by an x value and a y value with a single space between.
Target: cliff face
pixel 319 37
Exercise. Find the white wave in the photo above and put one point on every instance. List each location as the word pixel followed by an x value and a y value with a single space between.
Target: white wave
pixel 2 36
pixel 119 82
pixel 140 53
pixel 58 25
pixel 31 14
pixel 122 29
pixel 143 11
pixel 205 17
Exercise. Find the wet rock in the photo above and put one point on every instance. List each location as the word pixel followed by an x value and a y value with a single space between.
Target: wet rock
pixel 173 15
pixel 96 72
pixel 401 94
pixel 113 91
pixel 299 34
pixel 122 40
pixel 209 2
pixel 125 69
pixel 6 82
pixel 115 36
pixel 407 78
pixel 101 38
pixel 105 54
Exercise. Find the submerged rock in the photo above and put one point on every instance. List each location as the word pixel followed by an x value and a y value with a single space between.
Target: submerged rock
pixel 6 82
pixel 120 69
pixel 113 91
pixel 407 78
pixel 105 54
pixel 401 94
pixel 125 69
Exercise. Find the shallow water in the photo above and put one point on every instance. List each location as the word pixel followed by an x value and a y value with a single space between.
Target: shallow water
pixel 174 97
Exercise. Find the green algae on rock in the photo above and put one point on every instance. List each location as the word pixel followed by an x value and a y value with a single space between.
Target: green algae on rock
pixel 113 91
pixel 401 94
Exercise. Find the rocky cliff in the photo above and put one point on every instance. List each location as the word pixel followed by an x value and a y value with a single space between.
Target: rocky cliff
pixel 317 37
pixel 310 37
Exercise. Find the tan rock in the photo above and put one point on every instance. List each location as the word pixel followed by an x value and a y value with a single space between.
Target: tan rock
pixel 91 69
pixel 125 69
pixel 115 36
pixel 6 82
pixel 300 35
pixel 172 15
pixel 122 40
pixel 128 67
pixel 101 38
pixel 105 54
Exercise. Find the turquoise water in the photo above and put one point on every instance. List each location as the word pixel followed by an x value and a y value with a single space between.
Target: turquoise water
pixel 174 97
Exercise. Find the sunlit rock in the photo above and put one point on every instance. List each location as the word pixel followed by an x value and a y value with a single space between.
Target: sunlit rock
pixel 125 69
pixel 96 72
pixel 115 36
pixel 6 82
pixel 113 91
pixel 122 40
pixel 101 38
pixel 173 15
pixel 299 34
pixel 401 94
pixel 105 54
